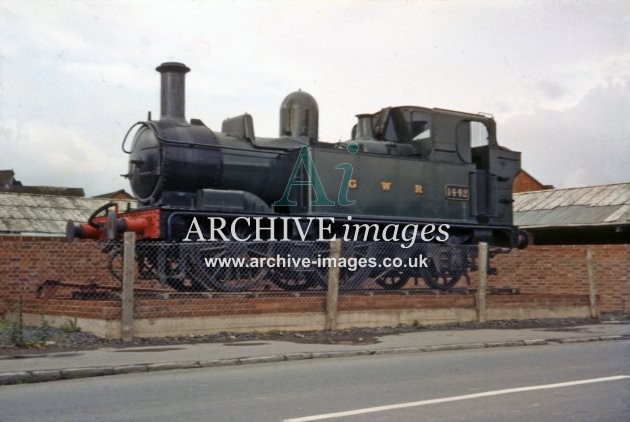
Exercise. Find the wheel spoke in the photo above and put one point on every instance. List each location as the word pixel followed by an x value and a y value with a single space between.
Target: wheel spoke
pixel 448 267
pixel 231 278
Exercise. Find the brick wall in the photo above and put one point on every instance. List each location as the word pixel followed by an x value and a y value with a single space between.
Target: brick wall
pixel 27 262
pixel 546 276
pixel 562 269
pixel 524 182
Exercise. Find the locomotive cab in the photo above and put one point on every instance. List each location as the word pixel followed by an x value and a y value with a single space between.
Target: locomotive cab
pixel 402 131
pixel 464 145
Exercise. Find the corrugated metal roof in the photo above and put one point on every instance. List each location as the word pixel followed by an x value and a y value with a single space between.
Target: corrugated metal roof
pixel 588 206
pixel 45 215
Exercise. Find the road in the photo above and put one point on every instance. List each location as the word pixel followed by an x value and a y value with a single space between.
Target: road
pixel 301 389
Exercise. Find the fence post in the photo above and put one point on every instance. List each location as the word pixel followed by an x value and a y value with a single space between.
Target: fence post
pixel 482 258
pixel 129 258
pixel 332 294
pixel 592 290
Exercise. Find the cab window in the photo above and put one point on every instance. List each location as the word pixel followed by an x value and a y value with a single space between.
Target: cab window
pixel 420 126
pixel 407 126
pixel 470 135
pixel 479 136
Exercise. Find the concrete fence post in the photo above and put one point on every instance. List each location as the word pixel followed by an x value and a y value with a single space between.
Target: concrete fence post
pixel 332 294
pixel 129 258
pixel 482 286
pixel 592 290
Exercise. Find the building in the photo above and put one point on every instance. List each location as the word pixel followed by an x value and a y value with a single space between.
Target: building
pixel 525 182
pixel 7 180
pixel 119 194
pixel 27 214
pixel 587 215
pixel 43 211
pixel 8 183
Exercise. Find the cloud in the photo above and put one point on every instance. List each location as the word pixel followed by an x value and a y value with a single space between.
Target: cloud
pixel 132 78
pixel 75 75
pixel 587 144
pixel 44 154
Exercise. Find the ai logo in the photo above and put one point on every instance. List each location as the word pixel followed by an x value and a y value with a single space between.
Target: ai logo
pixel 305 159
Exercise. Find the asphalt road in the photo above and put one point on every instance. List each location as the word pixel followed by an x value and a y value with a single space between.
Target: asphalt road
pixel 295 390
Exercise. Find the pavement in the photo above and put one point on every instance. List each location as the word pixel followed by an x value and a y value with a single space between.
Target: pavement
pixel 54 366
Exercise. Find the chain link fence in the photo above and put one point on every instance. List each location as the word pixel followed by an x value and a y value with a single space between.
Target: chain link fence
pixel 241 280
pixel 204 279
pixel 291 267
pixel 224 286
pixel 48 282
pixel 84 278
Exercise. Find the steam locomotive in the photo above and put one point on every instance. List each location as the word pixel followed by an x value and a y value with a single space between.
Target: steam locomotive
pixel 403 168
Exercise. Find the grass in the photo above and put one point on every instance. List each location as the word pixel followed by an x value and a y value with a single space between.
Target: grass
pixel 70 326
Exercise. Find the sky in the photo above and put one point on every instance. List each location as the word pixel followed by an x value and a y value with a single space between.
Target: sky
pixel 75 75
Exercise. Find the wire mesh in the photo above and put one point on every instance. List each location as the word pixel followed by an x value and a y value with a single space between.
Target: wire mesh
pixel 226 278
pixel 298 266
pixel 190 279
pixel 51 277
pixel 83 279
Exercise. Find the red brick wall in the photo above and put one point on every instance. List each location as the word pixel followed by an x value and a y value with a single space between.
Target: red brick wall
pixel 540 272
pixel 562 269
pixel 27 262
pixel 524 182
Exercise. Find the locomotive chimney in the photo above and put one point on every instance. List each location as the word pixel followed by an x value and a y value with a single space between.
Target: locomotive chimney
pixel 173 91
